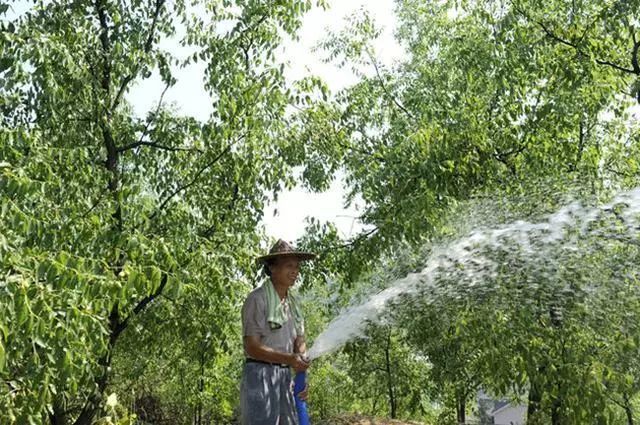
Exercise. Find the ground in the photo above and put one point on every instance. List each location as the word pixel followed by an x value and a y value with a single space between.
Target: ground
pixel 364 420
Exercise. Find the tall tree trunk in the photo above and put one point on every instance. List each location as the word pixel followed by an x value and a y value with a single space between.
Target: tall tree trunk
pixel 557 406
pixel 461 409
pixel 392 397
pixel 627 409
pixel 92 405
pixel 629 413
pixel 116 327
pixel 93 402
pixel 535 399
pixel 59 416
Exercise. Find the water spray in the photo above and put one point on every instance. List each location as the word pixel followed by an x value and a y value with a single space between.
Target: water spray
pixel 466 257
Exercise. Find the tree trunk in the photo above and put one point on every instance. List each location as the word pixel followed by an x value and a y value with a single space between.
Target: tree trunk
pixel 200 388
pixel 535 398
pixel 91 406
pixel 93 401
pixel 392 397
pixel 461 409
pixel 627 409
pixel 59 416
pixel 557 407
pixel 555 413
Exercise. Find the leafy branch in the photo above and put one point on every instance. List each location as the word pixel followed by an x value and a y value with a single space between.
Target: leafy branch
pixel 147 48
pixel 158 146
pixel 552 35
pixel 140 306
pixel 194 180
pixel 385 88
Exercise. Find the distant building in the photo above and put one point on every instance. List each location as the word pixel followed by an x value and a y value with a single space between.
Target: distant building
pixel 507 414
pixel 499 412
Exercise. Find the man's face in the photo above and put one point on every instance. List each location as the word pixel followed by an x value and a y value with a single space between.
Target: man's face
pixel 285 271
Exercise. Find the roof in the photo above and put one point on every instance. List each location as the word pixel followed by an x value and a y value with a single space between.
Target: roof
pixel 500 404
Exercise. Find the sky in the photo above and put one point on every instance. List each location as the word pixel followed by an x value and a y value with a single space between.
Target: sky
pixel 295 205
pixel 286 218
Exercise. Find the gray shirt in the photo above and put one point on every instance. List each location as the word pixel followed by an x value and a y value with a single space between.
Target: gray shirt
pixel 254 323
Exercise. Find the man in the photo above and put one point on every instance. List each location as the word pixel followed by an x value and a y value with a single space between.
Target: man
pixel 273 337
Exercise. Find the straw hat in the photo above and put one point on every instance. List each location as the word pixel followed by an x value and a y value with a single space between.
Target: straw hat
pixel 283 249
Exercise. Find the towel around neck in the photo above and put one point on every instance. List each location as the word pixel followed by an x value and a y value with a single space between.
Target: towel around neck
pixel 276 314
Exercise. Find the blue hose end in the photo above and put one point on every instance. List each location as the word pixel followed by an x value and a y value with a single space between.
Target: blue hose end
pixel 299 383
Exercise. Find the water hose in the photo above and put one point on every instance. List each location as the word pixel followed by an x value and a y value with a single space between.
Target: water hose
pixel 299 383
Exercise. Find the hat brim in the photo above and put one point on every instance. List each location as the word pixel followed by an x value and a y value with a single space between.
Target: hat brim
pixel 302 256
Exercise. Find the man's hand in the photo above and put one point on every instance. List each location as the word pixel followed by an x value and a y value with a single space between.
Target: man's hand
pixel 304 393
pixel 298 363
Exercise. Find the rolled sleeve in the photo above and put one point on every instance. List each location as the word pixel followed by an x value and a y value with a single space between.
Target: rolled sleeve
pixel 253 317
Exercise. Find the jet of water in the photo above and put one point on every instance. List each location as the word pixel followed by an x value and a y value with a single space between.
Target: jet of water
pixel 466 259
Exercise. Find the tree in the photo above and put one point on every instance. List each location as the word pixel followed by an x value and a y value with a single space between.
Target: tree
pixel 525 101
pixel 486 101
pixel 390 379
pixel 379 373
pixel 448 339
pixel 103 213
pixel 523 313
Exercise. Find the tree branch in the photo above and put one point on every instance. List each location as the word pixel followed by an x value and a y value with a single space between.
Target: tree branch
pixel 616 401
pixel 150 119
pixel 386 91
pixel 193 181
pixel 147 48
pixel 158 146
pixel 142 304
pixel 249 28
pixel 95 204
pixel 356 240
pixel 141 142
pixel 555 37
pixel 575 46
pixel 208 232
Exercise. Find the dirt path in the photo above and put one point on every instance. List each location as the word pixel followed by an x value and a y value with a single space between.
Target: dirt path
pixel 363 420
